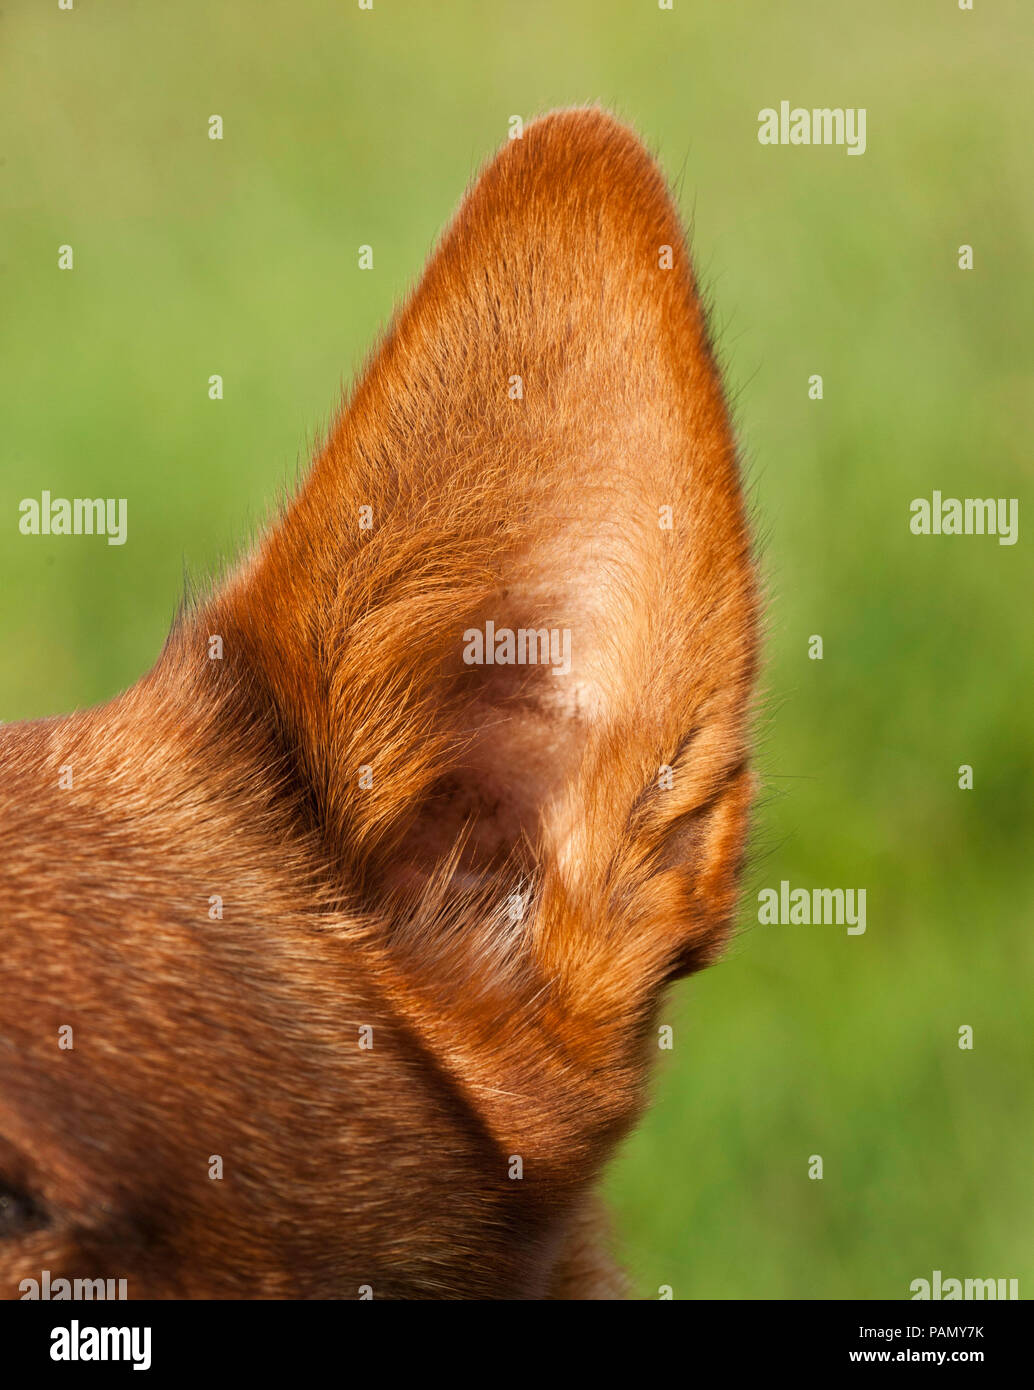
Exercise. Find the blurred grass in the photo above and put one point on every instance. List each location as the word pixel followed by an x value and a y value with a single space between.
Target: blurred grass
pixel 196 257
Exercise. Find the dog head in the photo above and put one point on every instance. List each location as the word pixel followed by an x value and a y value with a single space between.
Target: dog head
pixel 332 950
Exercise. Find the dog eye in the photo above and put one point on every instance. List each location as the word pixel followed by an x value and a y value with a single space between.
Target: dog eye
pixel 18 1211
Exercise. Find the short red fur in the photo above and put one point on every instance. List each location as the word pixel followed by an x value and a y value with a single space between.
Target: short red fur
pixel 489 872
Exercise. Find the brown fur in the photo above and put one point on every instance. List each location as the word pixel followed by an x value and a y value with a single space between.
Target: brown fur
pixel 388 905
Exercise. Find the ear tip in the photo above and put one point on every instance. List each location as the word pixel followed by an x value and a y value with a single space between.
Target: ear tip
pixel 588 123
pixel 586 143
pixel 578 179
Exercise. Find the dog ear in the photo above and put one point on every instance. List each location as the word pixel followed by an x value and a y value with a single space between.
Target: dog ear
pixel 539 448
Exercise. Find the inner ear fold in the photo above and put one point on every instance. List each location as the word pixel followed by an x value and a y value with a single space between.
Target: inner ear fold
pixel 561 647
pixel 519 714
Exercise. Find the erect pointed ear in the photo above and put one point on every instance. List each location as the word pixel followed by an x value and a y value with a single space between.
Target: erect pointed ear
pixel 513 606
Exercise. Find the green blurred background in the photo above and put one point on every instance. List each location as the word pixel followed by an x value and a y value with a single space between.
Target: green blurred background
pixel 239 257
